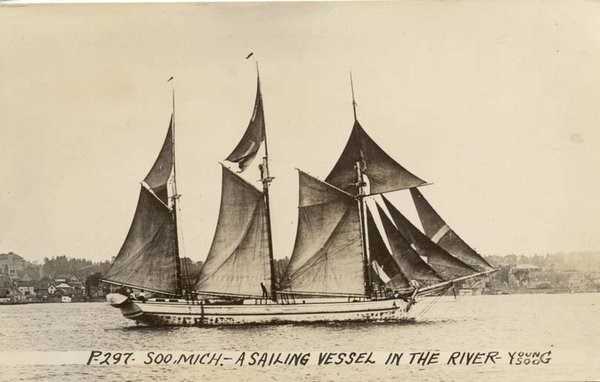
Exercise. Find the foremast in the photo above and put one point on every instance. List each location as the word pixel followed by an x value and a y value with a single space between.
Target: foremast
pixel 182 274
pixel 149 256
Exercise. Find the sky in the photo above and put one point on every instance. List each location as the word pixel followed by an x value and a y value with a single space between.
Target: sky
pixel 495 103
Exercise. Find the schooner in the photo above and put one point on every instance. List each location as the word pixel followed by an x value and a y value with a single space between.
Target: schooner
pixel 356 257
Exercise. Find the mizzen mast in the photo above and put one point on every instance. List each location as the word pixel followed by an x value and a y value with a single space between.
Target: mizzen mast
pixel 360 197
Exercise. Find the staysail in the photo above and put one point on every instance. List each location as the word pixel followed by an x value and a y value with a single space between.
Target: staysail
pixel 148 258
pixel 383 264
pixel 408 260
pixel 328 256
pixel 446 265
pixel 441 234
pixel 238 261
pixel 246 149
pixel 383 172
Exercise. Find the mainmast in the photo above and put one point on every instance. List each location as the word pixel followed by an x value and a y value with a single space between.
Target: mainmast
pixel 360 197
pixel 266 182
pixel 175 198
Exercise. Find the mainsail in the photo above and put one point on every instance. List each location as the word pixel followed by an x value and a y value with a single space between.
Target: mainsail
pixel 246 149
pixel 328 256
pixel 149 258
pixel 238 260
pixel 383 172
pixel 441 234
pixel 446 265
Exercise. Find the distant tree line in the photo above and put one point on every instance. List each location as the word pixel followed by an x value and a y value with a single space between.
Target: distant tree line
pixel 63 265
pixel 588 261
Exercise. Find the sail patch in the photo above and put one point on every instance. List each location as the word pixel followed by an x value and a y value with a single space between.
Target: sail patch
pixel 440 233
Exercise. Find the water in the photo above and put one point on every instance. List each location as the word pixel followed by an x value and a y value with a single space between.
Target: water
pixel 567 325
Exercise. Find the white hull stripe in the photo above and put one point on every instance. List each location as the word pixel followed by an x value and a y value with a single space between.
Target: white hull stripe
pixel 131 315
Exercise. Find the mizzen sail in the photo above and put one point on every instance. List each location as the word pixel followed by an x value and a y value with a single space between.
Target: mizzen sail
pixel 383 172
pixel 148 258
pixel 328 255
pixel 238 260
pixel 441 234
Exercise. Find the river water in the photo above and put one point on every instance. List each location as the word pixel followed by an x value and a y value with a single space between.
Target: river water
pixel 567 325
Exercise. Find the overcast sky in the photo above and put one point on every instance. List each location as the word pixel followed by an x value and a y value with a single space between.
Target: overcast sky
pixel 496 103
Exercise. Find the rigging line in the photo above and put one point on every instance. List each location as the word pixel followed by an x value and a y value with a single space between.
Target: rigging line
pixel 441 294
pixel 186 269
pixel 428 307
pixel 473 286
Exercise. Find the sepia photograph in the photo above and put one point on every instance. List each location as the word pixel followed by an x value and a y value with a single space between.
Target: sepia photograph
pixel 300 191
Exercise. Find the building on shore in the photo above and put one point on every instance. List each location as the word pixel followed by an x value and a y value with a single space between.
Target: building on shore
pixel 11 265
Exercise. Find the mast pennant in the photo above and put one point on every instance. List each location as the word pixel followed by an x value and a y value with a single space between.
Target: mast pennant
pixel 383 172
pixel 246 149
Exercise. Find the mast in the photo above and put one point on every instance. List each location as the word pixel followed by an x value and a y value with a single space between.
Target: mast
pixel 175 197
pixel 266 182
pixel 353 100
pixel 360 197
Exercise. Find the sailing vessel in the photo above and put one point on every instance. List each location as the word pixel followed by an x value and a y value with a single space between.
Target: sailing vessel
pixel 356 257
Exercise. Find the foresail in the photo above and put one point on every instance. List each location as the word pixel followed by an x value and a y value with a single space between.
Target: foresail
pixel 148 257
pixel 383 172
pixel 328 256
pixel 238 260
pixel 410 263
pixel 441 234
pixel 246 149
pixel 446 265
